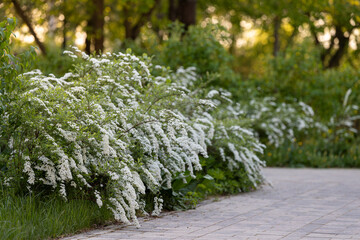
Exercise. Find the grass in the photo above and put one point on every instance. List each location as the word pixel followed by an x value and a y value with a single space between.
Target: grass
pixel 31 217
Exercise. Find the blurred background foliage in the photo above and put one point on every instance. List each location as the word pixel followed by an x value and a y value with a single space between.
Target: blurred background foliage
pixel 285 49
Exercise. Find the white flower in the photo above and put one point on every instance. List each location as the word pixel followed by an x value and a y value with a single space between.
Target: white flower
pixel 98 199
pixel 29 171
pixel 158 205
pixel 105 145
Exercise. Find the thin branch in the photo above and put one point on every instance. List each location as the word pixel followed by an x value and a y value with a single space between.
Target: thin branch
pixel 138 124
pixel 160 98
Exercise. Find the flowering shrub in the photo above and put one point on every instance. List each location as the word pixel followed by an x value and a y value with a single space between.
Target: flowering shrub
pixel 115 129
pixel 276 121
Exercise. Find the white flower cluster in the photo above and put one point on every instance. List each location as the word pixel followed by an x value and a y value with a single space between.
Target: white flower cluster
pixel 111 125
pixel 158 204
pixel 278 121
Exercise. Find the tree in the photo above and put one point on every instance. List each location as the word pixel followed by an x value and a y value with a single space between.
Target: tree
pixel 184 11
pixel 322 17
pixel 132 26
pixel 339 19
pixel 95 27
pixel 26 20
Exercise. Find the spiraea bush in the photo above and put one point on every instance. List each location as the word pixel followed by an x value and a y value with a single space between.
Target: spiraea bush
pixel 116 129
pixel 276 122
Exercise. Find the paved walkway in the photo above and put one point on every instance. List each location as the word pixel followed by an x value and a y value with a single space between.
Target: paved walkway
pixel 302 204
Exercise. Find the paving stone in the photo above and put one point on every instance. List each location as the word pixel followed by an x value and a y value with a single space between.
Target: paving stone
pixel 300 204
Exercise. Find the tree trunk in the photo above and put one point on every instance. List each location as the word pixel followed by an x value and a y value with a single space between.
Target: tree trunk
pixel 186 12
pixel 340 52
pixel 127 25
pixel 64 43
pixel 27 21
pixel 172 11
pixel 95 28
pixel 132 31
pixel 232 48
pixel 99 26
pixel 89 35
pixel 277 23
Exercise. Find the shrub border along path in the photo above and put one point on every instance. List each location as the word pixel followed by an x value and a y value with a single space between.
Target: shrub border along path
pixel 301 204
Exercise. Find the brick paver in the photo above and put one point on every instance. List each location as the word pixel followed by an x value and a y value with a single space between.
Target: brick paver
pixel 301 204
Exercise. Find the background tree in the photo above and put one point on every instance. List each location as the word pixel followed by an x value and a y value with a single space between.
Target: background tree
pixel 22 13
pixel 95 26
pixel 333 25
pixel 339 19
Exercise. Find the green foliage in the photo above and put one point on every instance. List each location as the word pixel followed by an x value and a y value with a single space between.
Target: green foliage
pixel 11 65
pixel 55 62
pixel 315 152
pixel 298 74
pixel 8 67
pixel 197 47
pixel 215 179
